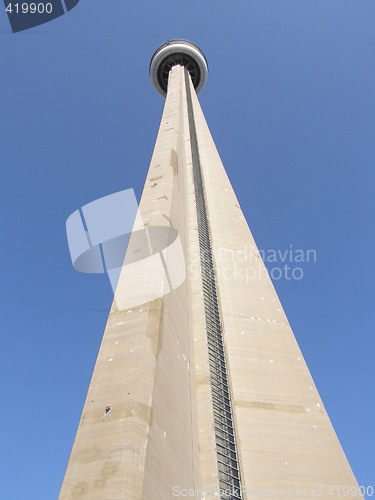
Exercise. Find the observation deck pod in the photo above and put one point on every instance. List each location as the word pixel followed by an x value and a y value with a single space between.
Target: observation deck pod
pixel 180 52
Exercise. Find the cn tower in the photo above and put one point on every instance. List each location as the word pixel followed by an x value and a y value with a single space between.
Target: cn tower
pixel 199 389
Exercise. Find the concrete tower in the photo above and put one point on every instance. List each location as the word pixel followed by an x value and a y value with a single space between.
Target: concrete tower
pixel 199 389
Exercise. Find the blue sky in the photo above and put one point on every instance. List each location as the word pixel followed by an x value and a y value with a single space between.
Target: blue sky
pixel 290 102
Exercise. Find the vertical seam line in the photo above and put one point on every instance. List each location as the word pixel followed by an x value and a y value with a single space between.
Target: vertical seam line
pixel 226 449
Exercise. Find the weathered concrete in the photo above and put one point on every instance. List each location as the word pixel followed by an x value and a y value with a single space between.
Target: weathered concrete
pixel 145 369
pixel 285 438
pixel 153 370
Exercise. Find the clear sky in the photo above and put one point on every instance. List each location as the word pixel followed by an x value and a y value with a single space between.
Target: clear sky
pixel 290 102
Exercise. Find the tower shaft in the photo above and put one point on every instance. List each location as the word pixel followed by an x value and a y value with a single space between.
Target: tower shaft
pixel 206 384
pixel 284 436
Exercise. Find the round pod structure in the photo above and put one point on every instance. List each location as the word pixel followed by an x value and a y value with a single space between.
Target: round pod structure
pixel 180 52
